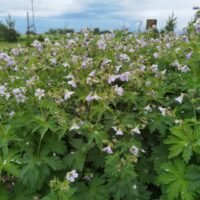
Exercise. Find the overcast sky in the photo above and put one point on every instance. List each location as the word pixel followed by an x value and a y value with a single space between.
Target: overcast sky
pixel 109 13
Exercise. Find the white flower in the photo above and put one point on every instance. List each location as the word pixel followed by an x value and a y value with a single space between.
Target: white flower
pixel 46 40
pixel 118 131
pixel 40 93
pixel 168 45
pixel 163 72
pixel 148 83
pixel 70 76
pixel 75 59
pixel 12 113
pixel 163 110
pixel 124 57
pixel 154 68
pixel 180 98
pixel 136 130
pixel 112 78
pixel 66 65
pixel 91 80
pixel 178 121
pixel 101 44
pixel 31 81
pixel 68 94
pixel 74 126
pixel 176 64
pixel 185 69
pixel 91 97
pixel 134 150
pixel 20 98
pixel 71 176
pixel 148 108
pixel 142 68
pixel 88 177
pixel 2 90
pixel 156 55
pixel 177 49
pixel 19 94
pixel 131 50
pixel 72 83
pixel 117 68
pixel 108 150
pixel 7 96
pixel 16 91
pixel 57 44
pixel 105 62
pixel 119 90
pixel 124 76
pixel 71 42
pixel 189 55
pixel 38 45
pixel 53 61
pixel 134 186
pixel 92 73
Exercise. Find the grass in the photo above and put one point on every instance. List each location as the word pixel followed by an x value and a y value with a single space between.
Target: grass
pixel 9 45
pixel 23 39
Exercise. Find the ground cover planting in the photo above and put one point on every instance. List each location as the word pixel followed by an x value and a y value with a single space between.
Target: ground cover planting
pixel 101 117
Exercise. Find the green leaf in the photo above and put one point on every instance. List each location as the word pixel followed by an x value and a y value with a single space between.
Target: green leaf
pixel 96 190
pixel 53 145
pixel 183 140
pixel 193 174
pixel 51 196
pixel 161 124
pixel 34 171
pixel 187 153
pixel 75 160
pixel 122 174
pixel 10 163
pixel 172 175
pixel 4 194
pixel 55 163
pixel 7 136
pixel 42 125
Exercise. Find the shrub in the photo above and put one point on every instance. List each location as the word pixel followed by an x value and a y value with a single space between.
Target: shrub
pixel 96 117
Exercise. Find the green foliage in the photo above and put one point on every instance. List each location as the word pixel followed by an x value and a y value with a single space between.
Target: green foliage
pixel 171 23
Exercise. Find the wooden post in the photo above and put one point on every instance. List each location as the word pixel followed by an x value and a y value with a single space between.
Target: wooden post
pixel 150 23
pixel 28 25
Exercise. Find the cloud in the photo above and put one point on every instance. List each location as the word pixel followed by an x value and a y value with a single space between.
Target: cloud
pixel 43 8
pixel 157 9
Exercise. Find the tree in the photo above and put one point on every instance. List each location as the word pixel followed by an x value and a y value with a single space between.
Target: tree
pixel 171 23
pixel 3 31
pixel 11 33
pixel 10 23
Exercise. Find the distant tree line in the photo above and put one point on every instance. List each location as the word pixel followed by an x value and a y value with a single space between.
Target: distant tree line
pixel 64 31
pixel 60 31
